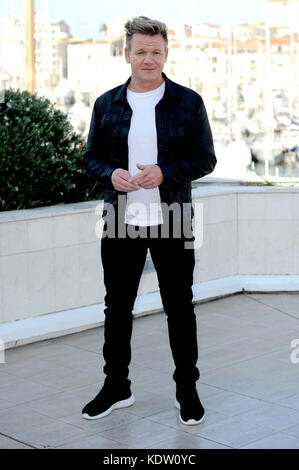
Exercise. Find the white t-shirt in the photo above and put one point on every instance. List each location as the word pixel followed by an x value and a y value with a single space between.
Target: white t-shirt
pixel 143 205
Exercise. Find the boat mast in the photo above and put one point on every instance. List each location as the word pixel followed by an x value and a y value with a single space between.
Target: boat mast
pixel 229 68
pixel 30 55
pixel 268 93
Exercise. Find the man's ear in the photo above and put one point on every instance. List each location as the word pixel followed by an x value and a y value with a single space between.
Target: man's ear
pixel 166 54
pixel 127 56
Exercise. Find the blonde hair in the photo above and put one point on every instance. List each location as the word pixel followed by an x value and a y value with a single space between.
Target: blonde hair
pixel 144 25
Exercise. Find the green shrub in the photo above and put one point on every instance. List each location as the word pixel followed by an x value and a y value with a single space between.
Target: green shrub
pixel 41 157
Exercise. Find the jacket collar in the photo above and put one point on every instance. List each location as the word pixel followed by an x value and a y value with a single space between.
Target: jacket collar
pixel 172 90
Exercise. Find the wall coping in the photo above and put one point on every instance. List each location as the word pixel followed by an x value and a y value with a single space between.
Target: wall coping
pixel 86 206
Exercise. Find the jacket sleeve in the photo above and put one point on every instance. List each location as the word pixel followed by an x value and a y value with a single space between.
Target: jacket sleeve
pixel 202 158
pixel 96 166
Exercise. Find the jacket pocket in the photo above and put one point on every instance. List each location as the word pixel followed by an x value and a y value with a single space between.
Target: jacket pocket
pixel 177 128
pixel 109 126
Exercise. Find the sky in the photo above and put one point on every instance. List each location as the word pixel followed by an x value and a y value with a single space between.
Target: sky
pixel 85 16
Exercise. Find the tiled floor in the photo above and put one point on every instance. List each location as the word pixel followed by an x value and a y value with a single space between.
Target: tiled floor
pixel 248 385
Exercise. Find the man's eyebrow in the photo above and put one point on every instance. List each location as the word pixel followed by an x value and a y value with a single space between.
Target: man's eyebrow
pixel 141 49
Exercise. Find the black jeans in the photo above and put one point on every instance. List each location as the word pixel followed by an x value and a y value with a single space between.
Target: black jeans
pixel 123 261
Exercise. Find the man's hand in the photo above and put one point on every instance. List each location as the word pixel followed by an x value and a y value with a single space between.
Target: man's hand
pixel 120 180
pixel 151 176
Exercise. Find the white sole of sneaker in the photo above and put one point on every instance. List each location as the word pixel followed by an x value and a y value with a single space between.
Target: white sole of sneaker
pixel 119 404
pixel 190 422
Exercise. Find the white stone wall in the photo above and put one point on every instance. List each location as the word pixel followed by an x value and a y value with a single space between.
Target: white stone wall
pixel 50 257
pixel 249 231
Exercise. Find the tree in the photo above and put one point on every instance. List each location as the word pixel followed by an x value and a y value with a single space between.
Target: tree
pixel 41 157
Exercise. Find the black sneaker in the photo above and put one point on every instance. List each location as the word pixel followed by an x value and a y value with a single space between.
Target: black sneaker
pixel 108 399
pixel 191 409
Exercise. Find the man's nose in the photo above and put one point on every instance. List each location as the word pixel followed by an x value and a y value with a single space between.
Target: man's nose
pixel 148 58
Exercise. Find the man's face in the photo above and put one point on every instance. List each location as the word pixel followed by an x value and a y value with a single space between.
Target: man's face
pixel 147 57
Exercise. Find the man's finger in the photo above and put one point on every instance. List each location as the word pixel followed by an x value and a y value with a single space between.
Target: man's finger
pixel 124 183
pixel 123 186
pixel 123 178
pixel 148 184
pixel 141 167
pixel 137 179
pixel 125 175
pixel 127 181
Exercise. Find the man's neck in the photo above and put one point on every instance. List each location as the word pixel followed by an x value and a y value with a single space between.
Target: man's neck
pixel 143 87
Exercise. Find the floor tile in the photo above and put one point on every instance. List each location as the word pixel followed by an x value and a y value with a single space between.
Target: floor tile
pixel 141 433
pixel 285 302
pixel 63 378
pixel 171 418
pixel 292 431
pixel 291 401
pixel 273 416
pixel 7 443
pixel 19 418
pixel 275 441
pixel 24 390
pixel 187 441
pixel 63 403
pixel 93 442
pixel 231 403
pixel 116 418
pixel 234 432
pixel 50 435
pixel 150 403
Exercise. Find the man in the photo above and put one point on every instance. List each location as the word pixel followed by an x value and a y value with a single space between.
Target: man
pixel 148 139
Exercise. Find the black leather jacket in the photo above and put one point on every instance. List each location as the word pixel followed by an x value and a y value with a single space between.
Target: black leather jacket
pixel 184 139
